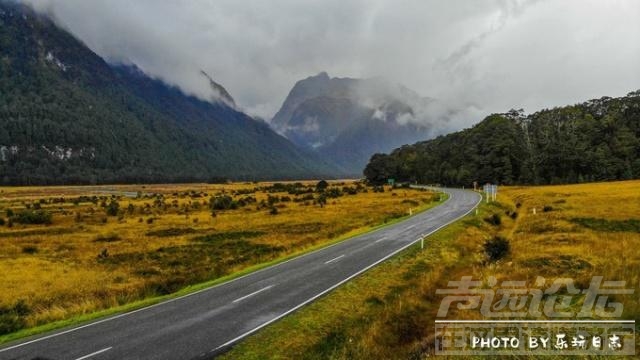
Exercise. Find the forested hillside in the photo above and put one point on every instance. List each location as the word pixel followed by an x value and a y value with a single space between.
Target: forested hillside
pixel 597 140
pixel 67 116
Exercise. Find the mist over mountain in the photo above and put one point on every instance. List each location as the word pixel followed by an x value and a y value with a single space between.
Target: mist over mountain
pixel 346 120
pixel 67 116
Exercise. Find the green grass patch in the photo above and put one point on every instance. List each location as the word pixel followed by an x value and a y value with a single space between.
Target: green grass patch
pixel 604 225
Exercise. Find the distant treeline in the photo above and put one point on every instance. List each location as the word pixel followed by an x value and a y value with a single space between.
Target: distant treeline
pixel 598 140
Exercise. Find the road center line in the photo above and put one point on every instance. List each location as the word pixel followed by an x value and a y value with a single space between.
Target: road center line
pixel 253 293
pixel 334 259
pixel 381 239
pixel 94 353
pixel 411 227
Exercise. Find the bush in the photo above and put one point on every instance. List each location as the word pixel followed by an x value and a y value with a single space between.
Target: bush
pixel 32 217
pixel 547 208
pixel 113 208
pixel 497 248
pixel 2 222
pixel 29 249
pixel 494 219
pixel 322 185
pixel 222 202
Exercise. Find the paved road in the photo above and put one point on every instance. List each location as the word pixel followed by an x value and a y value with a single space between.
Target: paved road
pixel 206 323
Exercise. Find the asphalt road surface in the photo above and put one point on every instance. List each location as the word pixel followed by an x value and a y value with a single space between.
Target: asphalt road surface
pixel 206 323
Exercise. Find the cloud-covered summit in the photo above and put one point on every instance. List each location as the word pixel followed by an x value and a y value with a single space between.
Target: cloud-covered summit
pixel 496 54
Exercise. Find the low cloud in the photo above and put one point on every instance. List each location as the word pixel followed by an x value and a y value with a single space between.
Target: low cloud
pixel 475 57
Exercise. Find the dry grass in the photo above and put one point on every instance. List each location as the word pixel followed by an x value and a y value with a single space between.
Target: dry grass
pixel 162 240
pixel 389 312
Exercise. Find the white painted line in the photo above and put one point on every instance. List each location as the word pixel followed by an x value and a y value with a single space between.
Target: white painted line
pixel 94 353
pixel 334 259
pixel 253 293
pixel 536 321
pixel 381 239
pixel 411 227
pixel 343 281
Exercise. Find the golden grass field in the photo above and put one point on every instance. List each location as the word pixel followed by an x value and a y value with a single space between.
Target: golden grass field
pixel 389 312
pixel 162 238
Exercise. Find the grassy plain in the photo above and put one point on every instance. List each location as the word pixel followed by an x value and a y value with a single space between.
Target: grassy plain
pixel 66 252
pixel 577 231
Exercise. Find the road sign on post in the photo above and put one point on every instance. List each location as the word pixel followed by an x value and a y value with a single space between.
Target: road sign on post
pixel 391 181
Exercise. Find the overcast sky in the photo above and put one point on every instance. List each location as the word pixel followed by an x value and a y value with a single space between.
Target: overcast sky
pixel 496 54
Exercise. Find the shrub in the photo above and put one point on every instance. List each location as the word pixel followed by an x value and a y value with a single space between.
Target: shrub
pixel 322 185
pixel 113 208
pixel 2 222
pixel 32 217
pixel 547 208
pixel 222 202
pixel 29 249
pixel 494 219
pixel 497 248
pixel 111 237
pixel 103 254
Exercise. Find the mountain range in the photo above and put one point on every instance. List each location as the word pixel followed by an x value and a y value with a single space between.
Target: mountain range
pixel 346 120
pixel 69 117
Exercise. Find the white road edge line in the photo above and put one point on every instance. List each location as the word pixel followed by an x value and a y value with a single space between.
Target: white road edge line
pixel 177 298
pixel 253 293
pixel 343 281
pixel 334 259
pixel 94 353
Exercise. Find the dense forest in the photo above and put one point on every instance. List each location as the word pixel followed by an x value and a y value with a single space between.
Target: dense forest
pixel 598 140
pixel 68 117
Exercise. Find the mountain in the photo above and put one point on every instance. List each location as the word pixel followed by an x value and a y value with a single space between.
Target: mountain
pixel 598 140
pixel 67 116
pixel 346 120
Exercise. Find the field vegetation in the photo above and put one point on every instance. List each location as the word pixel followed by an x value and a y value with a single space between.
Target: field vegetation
pixel 71 251
pixel 577 231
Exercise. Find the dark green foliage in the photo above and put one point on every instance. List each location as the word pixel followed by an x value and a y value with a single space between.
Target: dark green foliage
pixel 113 208
pixel 230 235
pixel 171 232
pixel 103 254
pixel 494 219
pixel 12 318
pixel 598 140
pixel 29 249
pixel 322 185
pixel 222 202
pixel 322 200
pixel 630 225
pixel 107 238
pixel 74 119
pixel 32 217
pixel 497 248
pixel 547 208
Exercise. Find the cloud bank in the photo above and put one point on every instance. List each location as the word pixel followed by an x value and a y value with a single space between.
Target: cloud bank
pixel 486 55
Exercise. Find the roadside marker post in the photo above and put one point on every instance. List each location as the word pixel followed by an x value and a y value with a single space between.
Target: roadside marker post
pixel 422 242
